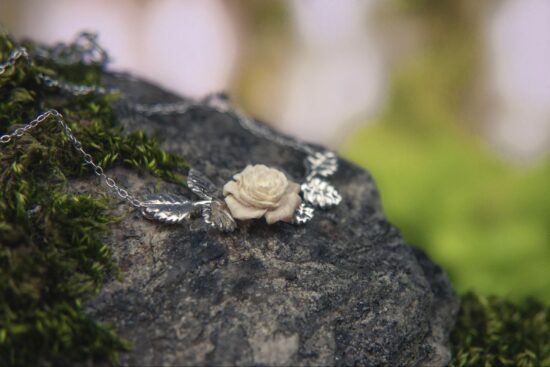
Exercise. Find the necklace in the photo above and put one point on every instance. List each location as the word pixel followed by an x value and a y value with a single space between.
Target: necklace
pixel 258 191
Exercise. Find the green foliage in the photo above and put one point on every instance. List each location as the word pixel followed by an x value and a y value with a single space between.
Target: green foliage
pixel 494 332
pixel 52 257
pixel 485 220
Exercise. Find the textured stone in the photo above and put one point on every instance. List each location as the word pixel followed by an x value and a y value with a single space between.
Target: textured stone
pixel 344 289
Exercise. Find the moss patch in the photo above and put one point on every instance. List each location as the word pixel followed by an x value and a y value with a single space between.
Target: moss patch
pixel 483 219
pixel 491 331
pixel 52 256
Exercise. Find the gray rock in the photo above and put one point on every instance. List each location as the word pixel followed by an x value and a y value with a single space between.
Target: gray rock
pixel 343 290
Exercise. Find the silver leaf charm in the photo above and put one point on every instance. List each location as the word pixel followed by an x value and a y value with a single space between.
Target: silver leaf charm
pixel 216 213
pixel 200 185
pixel 322 164
pixel 168 208
pixel 320 193
pixel 303 214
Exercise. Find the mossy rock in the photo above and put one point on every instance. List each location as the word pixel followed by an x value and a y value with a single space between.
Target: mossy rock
pixel 343 290
pixel 52 253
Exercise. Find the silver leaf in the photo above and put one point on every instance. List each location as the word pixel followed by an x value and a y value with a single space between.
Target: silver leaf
pixel 320 193
pixel 200 185
pixel 322 164
pixel 168 208
pixel 303 214
pixel 217 214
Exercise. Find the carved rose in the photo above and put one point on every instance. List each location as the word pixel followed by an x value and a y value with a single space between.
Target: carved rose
pixel 262 191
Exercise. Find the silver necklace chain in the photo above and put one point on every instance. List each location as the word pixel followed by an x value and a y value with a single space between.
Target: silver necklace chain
pixel 15 55
pixel 214 101
pixel 92 50
pixel 220 104
pixel 92 53
pixel 88 53
pixel 71 88
pixel 84 49
pixel 86 157
pixel 320 164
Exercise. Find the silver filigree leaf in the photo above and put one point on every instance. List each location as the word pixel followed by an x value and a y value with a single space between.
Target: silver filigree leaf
pixel 303 214
pixel 320 193
pixel 216 213
pixel 201 185
pixel 168 208
pixel 323 164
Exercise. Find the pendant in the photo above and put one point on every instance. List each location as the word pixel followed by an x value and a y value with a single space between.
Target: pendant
pixel 256 192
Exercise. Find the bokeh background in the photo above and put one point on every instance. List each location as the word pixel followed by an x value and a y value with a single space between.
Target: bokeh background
pixel 446 102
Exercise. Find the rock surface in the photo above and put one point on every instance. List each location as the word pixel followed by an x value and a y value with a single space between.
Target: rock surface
pixel 343 290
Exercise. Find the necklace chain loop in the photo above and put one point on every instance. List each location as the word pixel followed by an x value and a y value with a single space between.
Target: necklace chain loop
pixel 214 101
pixel 77 145
pixel 220 104
pixel 71 88
pixel 15 55
pixel 320 163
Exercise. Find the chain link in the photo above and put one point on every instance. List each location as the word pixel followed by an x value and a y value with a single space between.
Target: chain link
pixel 84 49
pixel 216 101
pixel 265 132
pixel 164 108
pixel 86 157
pixel 15 55
pixel 71 88
pixel 220 104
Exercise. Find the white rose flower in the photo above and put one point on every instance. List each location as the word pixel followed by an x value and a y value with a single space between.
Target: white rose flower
pixel 262 191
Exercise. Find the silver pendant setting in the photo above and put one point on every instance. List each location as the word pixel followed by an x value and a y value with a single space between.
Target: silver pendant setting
pixel 173 209
pixel 316 193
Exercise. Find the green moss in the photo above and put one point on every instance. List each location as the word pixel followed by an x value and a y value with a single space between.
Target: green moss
pixel 491 331
pixel 52 257
pixel 485 220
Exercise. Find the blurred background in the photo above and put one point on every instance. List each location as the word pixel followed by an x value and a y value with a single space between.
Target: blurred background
pixel 446 102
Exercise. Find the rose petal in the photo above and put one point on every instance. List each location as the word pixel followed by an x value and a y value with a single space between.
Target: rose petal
pixel 247 198
pixel 285 212
pixel 262 186
pixel 234 188
pixel 242 212
pixel 231 188
pixel 293 187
